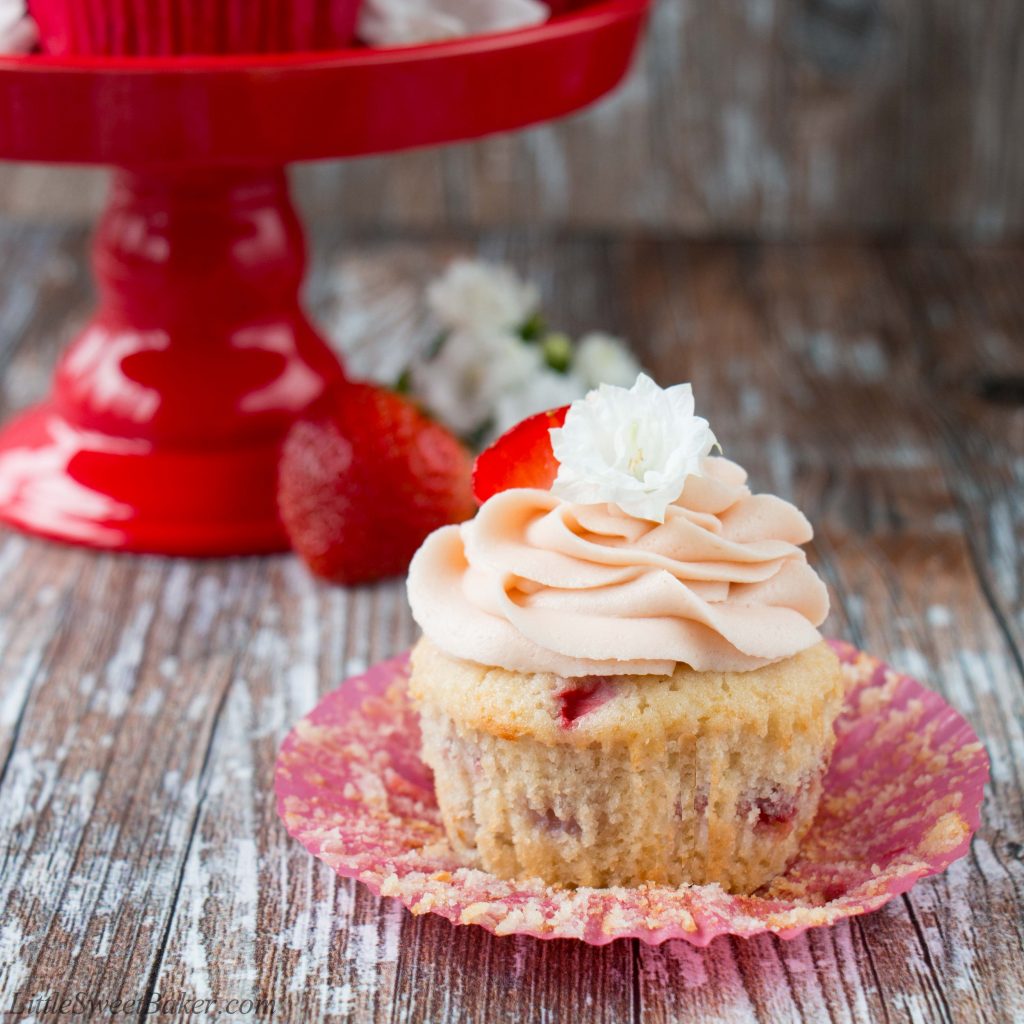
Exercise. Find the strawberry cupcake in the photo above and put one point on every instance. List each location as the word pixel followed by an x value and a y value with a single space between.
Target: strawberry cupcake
pixel 621 678
pixel 138 28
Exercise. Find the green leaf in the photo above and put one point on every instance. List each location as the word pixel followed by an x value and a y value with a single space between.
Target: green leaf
pixel 533 328
pixel 557 349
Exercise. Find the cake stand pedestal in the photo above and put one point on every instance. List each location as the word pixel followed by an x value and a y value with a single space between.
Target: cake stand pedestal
pixel 163 427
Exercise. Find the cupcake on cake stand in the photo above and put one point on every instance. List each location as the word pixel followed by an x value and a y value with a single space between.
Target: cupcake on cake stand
pixel 162 430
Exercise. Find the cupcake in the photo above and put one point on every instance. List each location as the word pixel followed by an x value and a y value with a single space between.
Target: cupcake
pixel 621 678
pixel 183 27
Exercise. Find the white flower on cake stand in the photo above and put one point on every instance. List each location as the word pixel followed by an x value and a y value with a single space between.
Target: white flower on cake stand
pixel 401 22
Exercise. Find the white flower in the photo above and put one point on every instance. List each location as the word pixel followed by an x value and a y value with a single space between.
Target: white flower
pixel 18 33
pixel 400 22
pixel 634 448
pixel 482 297
pixel 547 389
pixel 603 359
pixel 461 385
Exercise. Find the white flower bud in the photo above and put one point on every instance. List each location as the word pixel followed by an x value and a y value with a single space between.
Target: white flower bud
pixel 604 359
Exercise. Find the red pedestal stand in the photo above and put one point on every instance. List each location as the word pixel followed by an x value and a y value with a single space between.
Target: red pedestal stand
pixel 163 427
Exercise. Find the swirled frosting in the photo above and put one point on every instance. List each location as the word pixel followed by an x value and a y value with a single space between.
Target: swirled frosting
pixel 536 583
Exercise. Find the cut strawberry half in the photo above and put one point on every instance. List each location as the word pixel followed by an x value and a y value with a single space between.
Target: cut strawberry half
pixel 521 457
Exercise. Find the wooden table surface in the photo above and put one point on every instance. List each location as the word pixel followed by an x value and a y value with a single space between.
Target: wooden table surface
pixel 142 700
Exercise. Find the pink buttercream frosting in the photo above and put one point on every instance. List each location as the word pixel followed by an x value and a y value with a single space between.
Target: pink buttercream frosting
pixel 538 584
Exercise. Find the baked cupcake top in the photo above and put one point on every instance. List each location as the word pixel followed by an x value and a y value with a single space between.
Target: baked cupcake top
pixel 647 552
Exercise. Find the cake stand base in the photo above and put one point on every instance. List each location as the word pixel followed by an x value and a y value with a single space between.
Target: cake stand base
pixel 164 425
pixel 67 483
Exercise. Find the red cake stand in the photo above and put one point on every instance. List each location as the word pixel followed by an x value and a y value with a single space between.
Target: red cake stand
pixel 162 430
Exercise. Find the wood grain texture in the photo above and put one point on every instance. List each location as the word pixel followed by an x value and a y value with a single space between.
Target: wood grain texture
pixel 793 118
pixel 142 700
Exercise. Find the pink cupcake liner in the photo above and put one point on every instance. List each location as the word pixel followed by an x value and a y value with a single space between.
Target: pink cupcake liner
pixel 902 800
pixel 179 27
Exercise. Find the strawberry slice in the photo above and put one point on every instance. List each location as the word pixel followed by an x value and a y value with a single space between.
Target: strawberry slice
pixel 587 694
pixel 521 457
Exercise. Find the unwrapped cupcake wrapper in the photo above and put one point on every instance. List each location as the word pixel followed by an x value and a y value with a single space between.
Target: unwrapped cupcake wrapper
pixel 185 27
pixel 901 800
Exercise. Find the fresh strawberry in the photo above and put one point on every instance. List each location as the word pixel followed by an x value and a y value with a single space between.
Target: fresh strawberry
pixel 521 457
pixel 364 477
